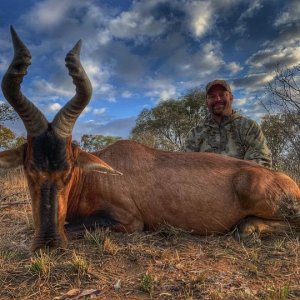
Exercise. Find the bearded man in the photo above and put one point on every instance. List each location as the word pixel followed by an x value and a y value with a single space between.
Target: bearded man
pixel 225 131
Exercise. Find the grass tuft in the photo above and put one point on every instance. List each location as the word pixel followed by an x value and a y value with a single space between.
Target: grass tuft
pixel 147 283
pixel 278 293
pixel 110 247
pixel 95 238
pixel 40 264
pixel 79 264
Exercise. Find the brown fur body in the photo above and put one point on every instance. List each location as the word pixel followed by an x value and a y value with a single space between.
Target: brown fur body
pixel 201 192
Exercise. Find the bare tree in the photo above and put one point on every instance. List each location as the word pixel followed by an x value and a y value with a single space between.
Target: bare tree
pixel 283 106
pixel 285 91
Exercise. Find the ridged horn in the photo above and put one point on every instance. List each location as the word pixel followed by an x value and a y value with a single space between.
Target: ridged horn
pixel 33 119
pixel 65 119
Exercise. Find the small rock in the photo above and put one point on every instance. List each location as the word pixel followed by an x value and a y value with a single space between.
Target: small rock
pixel 117 285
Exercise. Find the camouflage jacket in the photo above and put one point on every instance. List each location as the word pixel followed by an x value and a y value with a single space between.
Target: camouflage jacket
pixel 236 136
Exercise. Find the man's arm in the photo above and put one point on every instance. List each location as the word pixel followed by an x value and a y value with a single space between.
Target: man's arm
pixel 256 144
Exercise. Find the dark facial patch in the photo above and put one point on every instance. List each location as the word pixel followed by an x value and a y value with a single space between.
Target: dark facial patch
pixel 48 210
pixel 49 152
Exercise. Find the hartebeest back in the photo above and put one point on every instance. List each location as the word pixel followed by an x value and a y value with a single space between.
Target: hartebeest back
pixel 201 192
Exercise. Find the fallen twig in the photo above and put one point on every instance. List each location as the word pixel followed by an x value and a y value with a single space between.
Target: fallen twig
pixel 14 203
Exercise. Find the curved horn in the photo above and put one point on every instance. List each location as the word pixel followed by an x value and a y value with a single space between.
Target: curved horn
pixel 65 119
pixel 33 119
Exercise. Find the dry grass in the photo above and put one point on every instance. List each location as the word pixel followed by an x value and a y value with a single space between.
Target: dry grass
pixel 169 264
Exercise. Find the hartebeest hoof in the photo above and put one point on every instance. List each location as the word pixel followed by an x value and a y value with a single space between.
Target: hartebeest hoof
pixel 48 243
pixel 254 226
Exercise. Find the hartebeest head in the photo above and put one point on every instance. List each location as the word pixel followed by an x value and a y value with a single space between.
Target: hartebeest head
pixel 48 157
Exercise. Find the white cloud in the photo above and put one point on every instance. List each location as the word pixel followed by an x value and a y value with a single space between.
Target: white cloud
pixel 269 58
pixel 45 88
pixel 240 101
pixel 63 21
pixel 254 82
pixel 111 99
pixel 200 15
pixel 148 20
pixel 133 24
pixel 3 64
pixel 126 94
pixel 211 55
pixel 50 13
pixel 125 64
pixel 103 37
pixel 194 67
pixel 168 93
pixel 161 90
pixel 99 76
pixel 54 107
pixel 233 67
pixel 283 19
pixel 240 28
pixel 207 61
pixel 254 6
pixel 99 111
pixel 289 14
pixel 86 110
pixel 94 14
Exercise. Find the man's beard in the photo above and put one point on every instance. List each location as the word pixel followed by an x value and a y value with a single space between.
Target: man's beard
pixel 219 108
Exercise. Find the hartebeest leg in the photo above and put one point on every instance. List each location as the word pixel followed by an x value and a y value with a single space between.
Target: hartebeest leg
pixel 254 225
pixel 104 220
pixel 135 225
pixel 81 224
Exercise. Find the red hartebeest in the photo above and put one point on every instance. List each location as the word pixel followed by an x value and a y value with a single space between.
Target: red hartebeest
pixel 202 192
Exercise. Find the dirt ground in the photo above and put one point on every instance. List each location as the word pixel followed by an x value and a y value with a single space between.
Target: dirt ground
pixel 168 264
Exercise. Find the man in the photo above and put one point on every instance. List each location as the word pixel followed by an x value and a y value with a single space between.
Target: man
pixel 225 131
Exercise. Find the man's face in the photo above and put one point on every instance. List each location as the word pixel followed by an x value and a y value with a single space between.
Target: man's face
pixel 219 101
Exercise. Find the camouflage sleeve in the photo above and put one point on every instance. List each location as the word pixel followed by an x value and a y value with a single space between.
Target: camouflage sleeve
pixel 191 144
pixel 256 148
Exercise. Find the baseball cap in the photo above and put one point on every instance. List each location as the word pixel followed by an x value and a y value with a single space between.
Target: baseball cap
pixel 221 82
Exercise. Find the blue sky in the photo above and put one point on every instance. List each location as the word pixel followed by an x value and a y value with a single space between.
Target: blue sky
pixel 138 53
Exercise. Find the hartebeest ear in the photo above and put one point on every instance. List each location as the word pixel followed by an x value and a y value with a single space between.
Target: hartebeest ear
pixel 90 162
pixel 12 158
